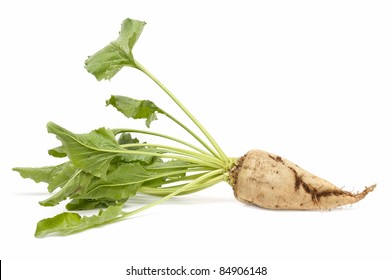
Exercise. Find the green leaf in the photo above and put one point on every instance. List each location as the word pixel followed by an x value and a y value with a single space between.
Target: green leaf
pixel 126 138
pixel 72 181
pixel 92 152
pixel 90 204
pixel 68 223
pixel 39 174
pixel 133 108
pixel 124 181
pixel 57 152
pixel 61 177
pixel 119 184
pixel 108 61
pixel 56 176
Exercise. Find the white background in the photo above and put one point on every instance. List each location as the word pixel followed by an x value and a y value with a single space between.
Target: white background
pixel 308 80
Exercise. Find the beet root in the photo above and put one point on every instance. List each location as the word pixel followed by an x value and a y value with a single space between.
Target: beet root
pixel 270 181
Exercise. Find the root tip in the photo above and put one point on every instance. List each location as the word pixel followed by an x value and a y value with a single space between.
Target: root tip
pixel 369 189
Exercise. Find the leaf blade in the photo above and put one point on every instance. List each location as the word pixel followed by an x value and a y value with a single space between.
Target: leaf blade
pixel 108 61
pixel 57 152
pixel 95 151
pixel 72 181
pixel 90 204
pixel 134 108
pixel 92 152
pixel 68 223
pixel 119 184
pixel 38 174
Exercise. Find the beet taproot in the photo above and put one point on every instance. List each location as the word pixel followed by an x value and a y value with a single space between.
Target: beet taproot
pixel 270 181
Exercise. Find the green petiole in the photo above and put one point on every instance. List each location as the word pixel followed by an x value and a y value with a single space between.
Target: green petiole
pixel 221 154
pixel 214 177
pixel 167 190
pixel 179 151
pixel 164 136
